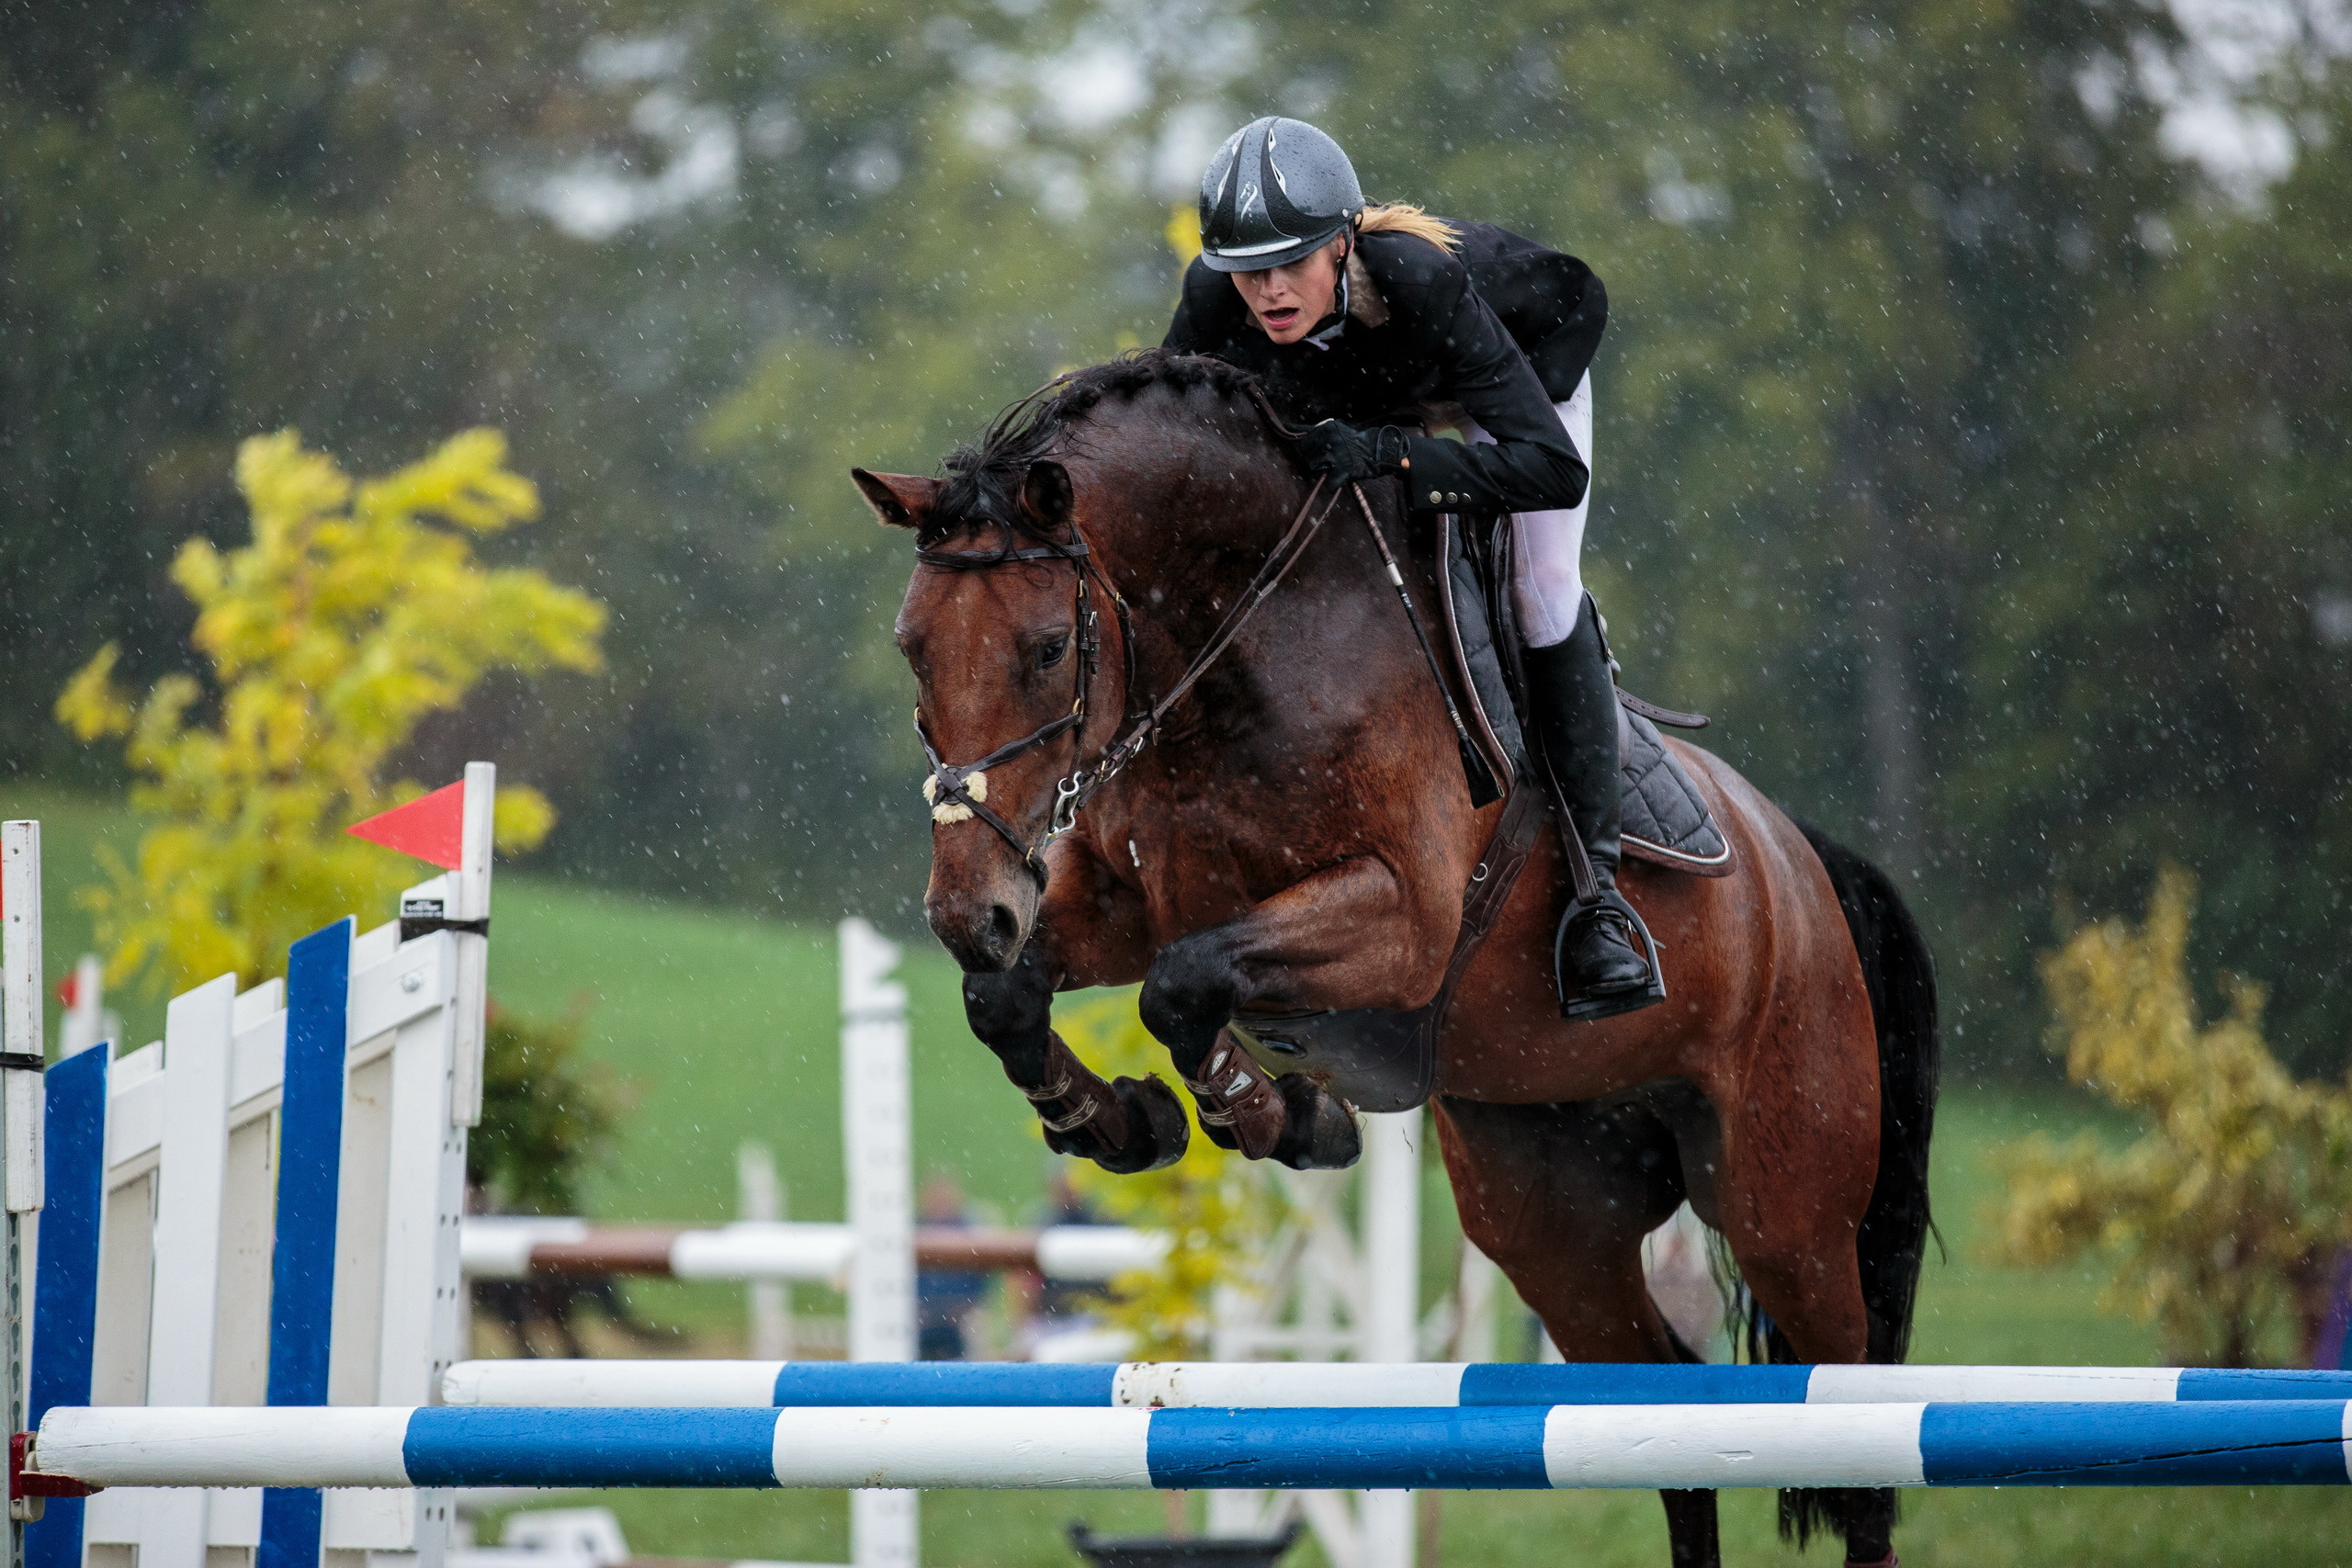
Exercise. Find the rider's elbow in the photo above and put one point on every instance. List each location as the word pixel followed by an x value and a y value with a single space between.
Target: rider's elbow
pixel 1569 479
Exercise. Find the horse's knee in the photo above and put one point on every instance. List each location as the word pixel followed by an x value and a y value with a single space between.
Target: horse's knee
pixel 1011 1012
pixel 1188 997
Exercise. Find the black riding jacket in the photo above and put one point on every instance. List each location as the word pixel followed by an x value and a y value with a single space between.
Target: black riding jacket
pixel 1505 329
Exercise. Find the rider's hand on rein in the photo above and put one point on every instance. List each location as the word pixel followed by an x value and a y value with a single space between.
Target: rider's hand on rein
pixel 1345 454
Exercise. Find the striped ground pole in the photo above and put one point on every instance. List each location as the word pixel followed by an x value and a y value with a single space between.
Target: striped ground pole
pixel 2187 1443
pixel 1147 1385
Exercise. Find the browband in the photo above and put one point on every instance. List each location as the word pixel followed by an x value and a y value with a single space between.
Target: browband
pixel 966 559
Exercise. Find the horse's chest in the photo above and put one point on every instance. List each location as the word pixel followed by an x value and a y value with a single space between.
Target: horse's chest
pixel 1202 862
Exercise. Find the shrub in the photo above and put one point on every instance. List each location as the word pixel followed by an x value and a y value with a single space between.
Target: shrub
pixel 2220 1222
pixel 344 622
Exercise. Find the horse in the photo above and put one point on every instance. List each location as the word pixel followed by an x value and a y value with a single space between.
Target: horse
pixel 1208 754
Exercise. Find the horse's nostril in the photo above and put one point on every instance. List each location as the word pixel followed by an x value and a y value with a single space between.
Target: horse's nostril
pixel 1004 930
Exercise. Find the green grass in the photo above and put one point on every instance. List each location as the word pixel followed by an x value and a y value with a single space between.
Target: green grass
pixel 721 1027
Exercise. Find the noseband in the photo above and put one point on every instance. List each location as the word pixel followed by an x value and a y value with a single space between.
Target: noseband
pixel 1138 721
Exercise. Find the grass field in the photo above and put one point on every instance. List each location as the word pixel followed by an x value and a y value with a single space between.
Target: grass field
pixel 722 1028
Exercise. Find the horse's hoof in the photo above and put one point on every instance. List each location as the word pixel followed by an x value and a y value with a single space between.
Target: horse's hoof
pixel 1320 1132
pixel 1158 1129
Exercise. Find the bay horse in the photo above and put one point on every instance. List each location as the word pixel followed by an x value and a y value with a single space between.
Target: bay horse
pixel 1294 833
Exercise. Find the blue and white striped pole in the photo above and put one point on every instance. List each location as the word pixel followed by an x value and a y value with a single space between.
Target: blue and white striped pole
pixel 1148 1385
pixel 2239 1443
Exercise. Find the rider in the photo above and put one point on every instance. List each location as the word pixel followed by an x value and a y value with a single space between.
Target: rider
pixel 1358 315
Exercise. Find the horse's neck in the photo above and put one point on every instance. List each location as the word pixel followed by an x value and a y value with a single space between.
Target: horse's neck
pixel 1194 550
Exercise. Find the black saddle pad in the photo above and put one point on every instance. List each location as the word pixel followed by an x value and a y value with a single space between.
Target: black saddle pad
pixel 1666 820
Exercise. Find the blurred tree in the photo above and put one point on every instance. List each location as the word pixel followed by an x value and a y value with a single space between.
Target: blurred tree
pixel 2222 1222
pixel 344 622
pixel 2165 668
pixel 586 223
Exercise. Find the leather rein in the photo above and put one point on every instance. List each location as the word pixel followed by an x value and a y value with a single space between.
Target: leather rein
pixel 1141 721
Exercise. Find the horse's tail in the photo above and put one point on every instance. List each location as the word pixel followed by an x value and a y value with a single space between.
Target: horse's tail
pixel 1900 974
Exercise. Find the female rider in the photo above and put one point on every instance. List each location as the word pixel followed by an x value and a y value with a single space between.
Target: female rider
pixel 1360 316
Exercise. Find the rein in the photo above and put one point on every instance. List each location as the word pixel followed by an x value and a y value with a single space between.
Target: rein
pixel 1139 723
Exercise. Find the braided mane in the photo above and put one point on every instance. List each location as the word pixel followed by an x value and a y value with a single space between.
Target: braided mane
pixel 984 477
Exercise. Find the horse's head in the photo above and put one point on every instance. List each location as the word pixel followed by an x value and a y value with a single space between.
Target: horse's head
pixel 995 627
pixel 1022 651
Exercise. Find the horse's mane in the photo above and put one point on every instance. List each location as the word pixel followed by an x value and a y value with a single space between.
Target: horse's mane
pixel 984 477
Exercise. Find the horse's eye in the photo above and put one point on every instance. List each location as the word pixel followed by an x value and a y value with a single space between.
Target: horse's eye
pixel 1050 654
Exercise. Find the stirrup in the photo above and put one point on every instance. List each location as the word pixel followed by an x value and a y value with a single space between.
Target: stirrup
pixel 1583 1009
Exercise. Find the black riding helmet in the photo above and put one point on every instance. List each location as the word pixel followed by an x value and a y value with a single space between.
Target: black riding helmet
pixel 1276 191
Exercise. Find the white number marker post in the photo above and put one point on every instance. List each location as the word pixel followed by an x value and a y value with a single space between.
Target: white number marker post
pixel 20 1103
pixel 875 1111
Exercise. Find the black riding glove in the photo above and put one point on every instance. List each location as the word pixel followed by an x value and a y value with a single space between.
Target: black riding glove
pixel 1343 453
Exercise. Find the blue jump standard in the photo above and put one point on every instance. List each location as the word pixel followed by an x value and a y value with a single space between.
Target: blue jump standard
pixel 2193 1443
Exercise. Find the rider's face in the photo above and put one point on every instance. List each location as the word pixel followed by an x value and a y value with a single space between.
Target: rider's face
pixel 1287 301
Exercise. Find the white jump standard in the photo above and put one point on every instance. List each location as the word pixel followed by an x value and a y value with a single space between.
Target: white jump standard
pixel 1276 1385
pixel 2240 1443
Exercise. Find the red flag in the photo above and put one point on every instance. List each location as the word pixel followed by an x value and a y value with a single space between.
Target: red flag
pixel 432 827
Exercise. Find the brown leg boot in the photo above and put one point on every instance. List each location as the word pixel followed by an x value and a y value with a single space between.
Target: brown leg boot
pixel 1132 1126
pixel 1240 1107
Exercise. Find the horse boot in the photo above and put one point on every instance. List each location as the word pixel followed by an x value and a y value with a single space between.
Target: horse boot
pixel 1292 1120
pixel 1125 1126
pixel 1603 954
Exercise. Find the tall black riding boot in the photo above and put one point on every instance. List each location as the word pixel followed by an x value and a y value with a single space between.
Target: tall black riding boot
pixel 1602 953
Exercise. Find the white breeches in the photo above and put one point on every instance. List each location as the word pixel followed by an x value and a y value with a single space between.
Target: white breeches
pixel 1547 588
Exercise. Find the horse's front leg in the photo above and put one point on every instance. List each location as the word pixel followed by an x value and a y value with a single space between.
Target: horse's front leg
pixel 1346 937
pixel 1084 936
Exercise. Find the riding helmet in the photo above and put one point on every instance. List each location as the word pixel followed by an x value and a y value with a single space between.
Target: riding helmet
pixel 1275 191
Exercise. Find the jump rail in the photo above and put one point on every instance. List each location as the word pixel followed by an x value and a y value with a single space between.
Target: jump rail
pixel 499 1246
pixel 1275 1385
pixel 2263 1442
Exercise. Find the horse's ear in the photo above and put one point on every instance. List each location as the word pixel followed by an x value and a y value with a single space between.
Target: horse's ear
pixel 1046 493
pixel 900 501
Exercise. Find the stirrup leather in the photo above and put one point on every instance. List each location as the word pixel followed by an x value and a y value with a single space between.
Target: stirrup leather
pixel 1610 906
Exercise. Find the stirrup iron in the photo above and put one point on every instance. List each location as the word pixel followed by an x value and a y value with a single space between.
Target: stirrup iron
pixel 1610 905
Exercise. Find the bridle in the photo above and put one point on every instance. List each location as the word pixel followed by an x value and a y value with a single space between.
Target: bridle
pixel 1140 721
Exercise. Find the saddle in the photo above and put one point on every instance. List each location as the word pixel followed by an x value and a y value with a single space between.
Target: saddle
pixel 1383 1059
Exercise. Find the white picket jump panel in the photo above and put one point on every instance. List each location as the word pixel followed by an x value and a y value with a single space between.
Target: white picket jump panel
pixel 192 1140
pixel 188 1222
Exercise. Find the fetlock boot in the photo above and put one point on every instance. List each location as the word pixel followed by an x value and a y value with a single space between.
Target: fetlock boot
pixel 1603 954
pixel 1239 1107
pixel 1125 1126
pixel 1291 1120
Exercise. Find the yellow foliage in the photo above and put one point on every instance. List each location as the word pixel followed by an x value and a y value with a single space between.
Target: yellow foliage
pixel 346 620
pixel 2220 1222
pixel 1218 1209
pixel 1183 232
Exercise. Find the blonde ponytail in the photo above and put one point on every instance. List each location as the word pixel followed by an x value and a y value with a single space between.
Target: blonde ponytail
pixel 1404 218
